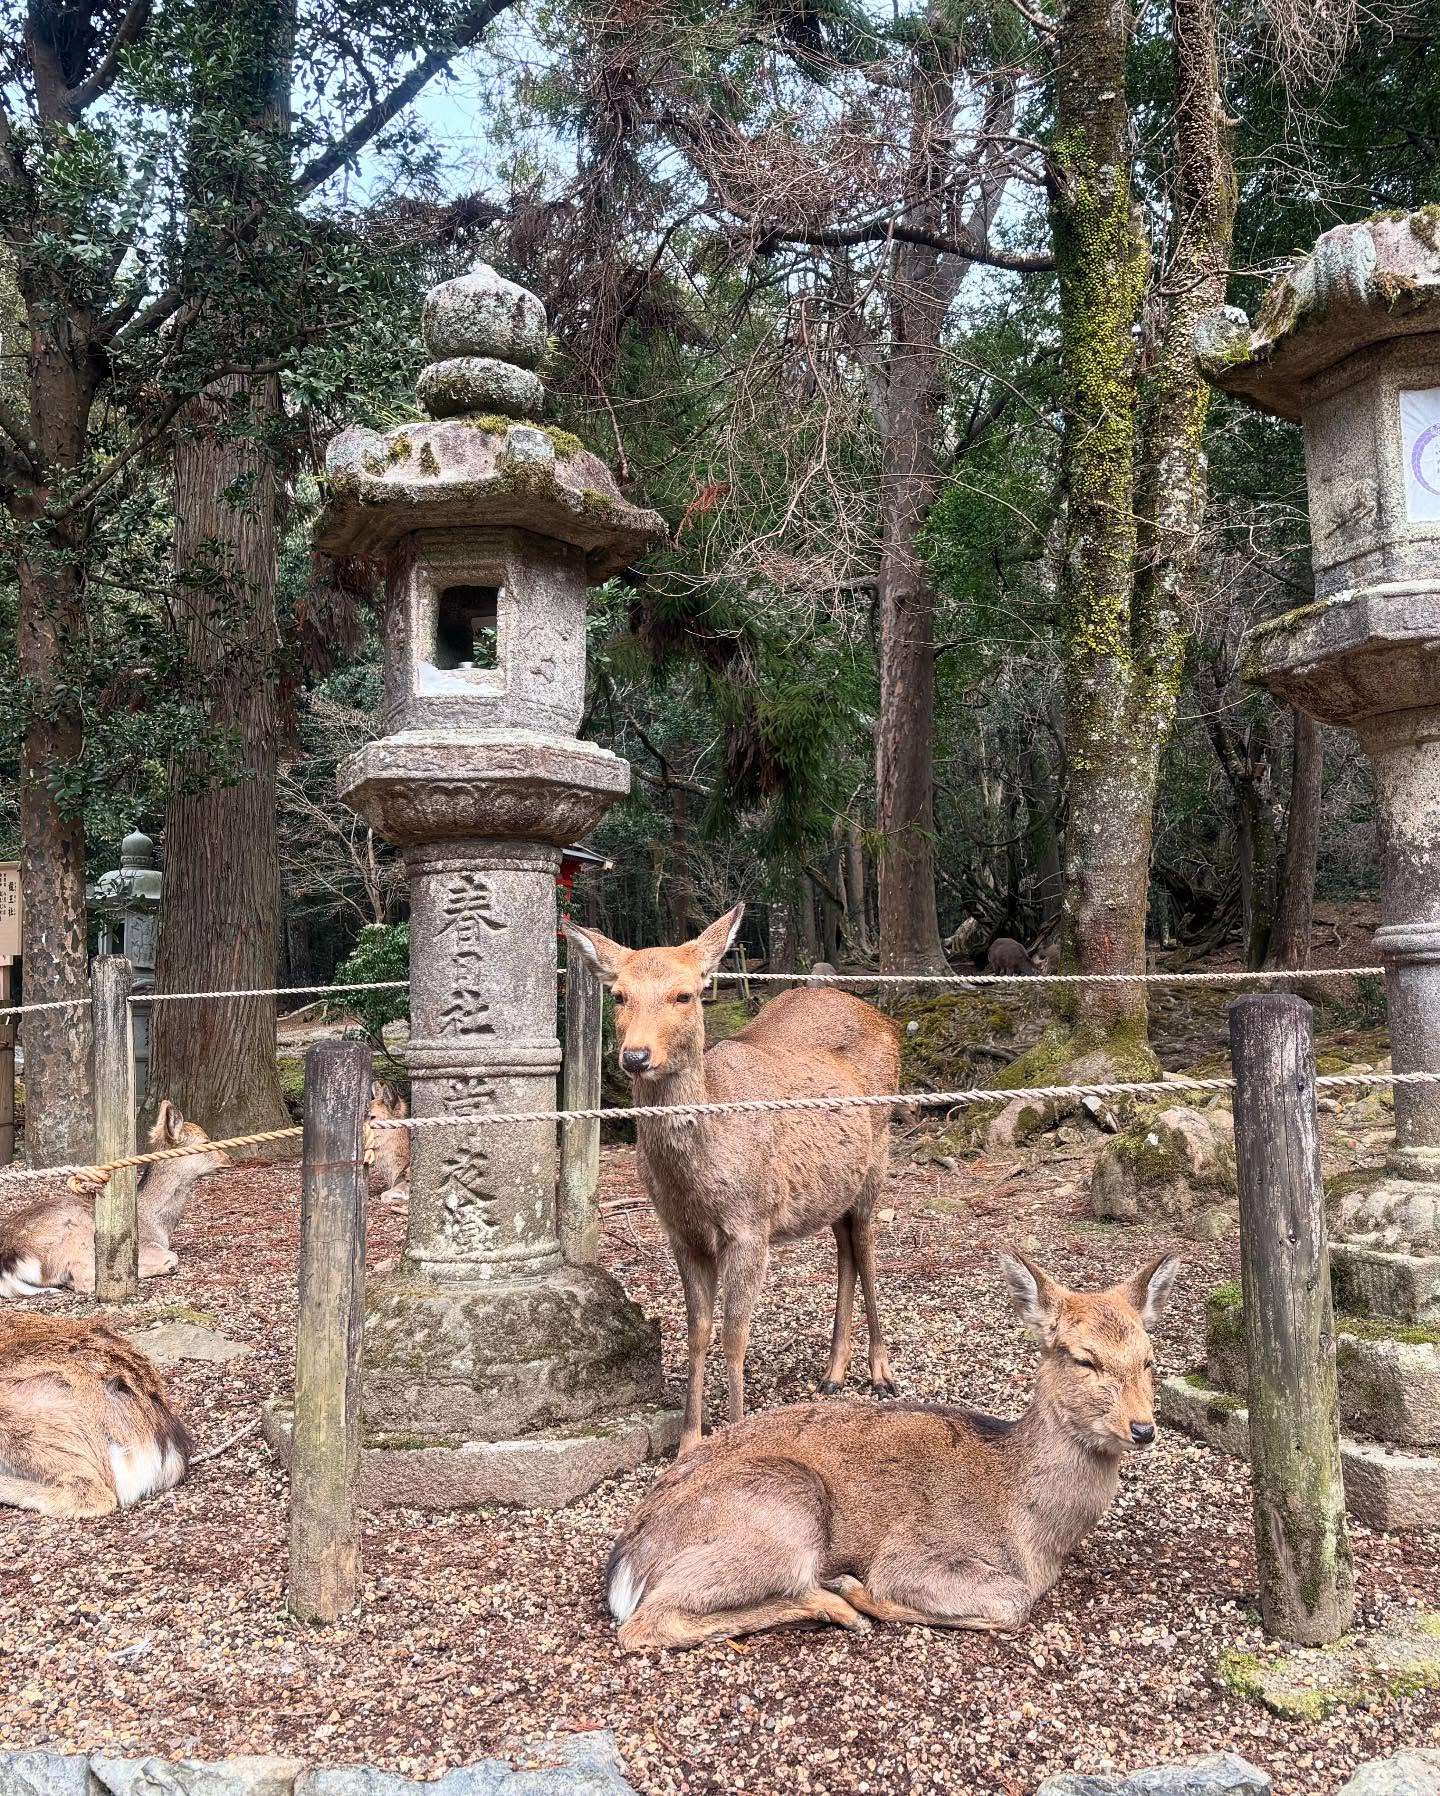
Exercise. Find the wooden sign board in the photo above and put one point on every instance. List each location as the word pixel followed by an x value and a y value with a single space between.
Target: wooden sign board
pixel 12 910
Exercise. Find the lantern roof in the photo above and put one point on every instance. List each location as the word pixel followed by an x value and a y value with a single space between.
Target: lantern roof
pixel 481 459
pixel 1361 285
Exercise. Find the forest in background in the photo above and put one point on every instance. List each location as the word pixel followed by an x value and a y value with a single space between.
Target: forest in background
pixel 887 310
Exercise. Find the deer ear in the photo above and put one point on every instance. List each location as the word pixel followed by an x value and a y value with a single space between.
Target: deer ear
pixel 1148 1290
pixel 377 1090
pixel 713 944
pixel 1035 1295
pixel 603 955
pixel 173 1120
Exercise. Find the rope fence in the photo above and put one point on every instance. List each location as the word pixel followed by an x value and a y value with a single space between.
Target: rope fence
pixel 921 1100
pixel 1237 976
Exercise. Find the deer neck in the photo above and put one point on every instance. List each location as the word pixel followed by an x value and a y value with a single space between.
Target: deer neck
pixel 685 1085
pixel 1066 1481
pixel 162 1198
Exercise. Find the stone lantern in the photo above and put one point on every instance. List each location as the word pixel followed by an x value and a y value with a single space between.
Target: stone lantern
pixel 494 1371
pixel 128 901
pixel 1347 344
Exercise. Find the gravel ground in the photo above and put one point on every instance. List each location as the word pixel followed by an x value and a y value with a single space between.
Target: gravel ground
pixel 163 1629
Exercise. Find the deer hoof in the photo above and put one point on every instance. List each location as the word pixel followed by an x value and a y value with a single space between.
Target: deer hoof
pixel 830 1387
pixel 885 1389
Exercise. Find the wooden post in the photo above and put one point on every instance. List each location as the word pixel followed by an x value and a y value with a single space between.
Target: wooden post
pixel 1307 1583
pixel 744 973
pixel 117 1223
pixel 7 1069
pixel 325 1453
pixel 580 1090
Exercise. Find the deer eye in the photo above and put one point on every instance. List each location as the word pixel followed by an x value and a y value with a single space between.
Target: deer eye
pixel 681 998
pixel 1085 1365
pixel 619 997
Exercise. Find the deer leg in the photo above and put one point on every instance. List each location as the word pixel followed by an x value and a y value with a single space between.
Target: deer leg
pixel 834 1379
pixel 652 1626
pixel 697 1275
pixel 156 1262
pixel 862 1234
pixel 742 1267
pixel 997 1607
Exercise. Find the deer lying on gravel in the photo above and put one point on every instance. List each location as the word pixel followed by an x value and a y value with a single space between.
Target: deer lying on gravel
pixel 725 1187
pixel 50 1245
pixel 912 1512
pixel 390 1168
pixel 86 1426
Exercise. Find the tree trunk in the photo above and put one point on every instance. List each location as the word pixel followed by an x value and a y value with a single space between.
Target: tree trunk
pixel 920 293
pixel 59 1121
pixel 809 937
pixel 1122 589
pixel 1295 902
pixel 220 908
pixel 782 938
pixel 855 889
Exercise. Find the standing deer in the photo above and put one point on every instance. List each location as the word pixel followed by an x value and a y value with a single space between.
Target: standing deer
pixel 50 1245
pixel 86 1425
pixel 1006 955
pixel 914 1512
pixel 725 1187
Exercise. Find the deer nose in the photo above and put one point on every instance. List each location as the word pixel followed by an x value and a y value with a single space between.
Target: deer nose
pixel 635 1060
pixel 1142 1433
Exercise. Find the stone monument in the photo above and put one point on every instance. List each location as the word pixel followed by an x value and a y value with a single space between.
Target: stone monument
pixel 128 901
pixel 1347 344
pixel 493 1370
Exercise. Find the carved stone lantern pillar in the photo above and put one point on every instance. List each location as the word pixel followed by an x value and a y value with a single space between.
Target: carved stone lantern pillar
pixel 128 902
pixel 493 1370
pixel 1347 344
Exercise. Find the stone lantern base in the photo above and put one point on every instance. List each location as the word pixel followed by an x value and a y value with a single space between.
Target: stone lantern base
pixel 528 1392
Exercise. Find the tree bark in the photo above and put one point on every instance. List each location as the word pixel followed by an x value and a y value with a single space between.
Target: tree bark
pixel 1122 588
pixel 59 1121
pixel 1295 903
pixel 220 908
pixel 856 893
pixel 920 293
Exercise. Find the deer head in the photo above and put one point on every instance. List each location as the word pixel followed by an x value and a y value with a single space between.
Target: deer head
pixel 657 994
pixel 1097 1377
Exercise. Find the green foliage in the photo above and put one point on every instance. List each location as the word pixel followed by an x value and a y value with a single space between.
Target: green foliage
pixel 381 953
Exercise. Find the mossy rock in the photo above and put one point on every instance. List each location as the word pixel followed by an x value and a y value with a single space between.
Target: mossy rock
pixel 1361 1671
pixel 938 1036
pixel 1172 1166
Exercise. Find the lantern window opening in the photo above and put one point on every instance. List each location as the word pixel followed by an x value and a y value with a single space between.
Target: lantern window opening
pixel 467 628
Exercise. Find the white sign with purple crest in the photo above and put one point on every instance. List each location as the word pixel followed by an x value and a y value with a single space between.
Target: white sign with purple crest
pixel 1420 434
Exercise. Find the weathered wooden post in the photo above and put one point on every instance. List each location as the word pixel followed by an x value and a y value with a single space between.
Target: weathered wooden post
pixel 580 1090
pixel 117 1224
pixel 10 903
pixel 325 1457
pixel 1307 1586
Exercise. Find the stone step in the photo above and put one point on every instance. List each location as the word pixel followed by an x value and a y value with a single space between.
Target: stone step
pixel 1375 1281
pixel 1386 1488
pixel 1389 1372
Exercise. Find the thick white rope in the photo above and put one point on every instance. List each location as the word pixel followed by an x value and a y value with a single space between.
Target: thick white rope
pixel 920 1100
pixel 734 975
pixel 925 1100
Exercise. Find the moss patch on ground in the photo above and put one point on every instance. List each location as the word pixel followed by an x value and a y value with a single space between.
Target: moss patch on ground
pixel 938 1053
pixel 1359 1672
pixel 725 1018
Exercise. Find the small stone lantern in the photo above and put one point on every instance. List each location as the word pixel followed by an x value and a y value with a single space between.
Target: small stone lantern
pixel 490 528
pixel 128 902
pixel 1347 344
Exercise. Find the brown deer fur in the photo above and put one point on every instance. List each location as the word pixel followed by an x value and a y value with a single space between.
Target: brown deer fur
pixel 905 1512
pixel 50 1244
pixel 390 1168
pixel 1006 955
pixel 85 1423
pixel 725 1187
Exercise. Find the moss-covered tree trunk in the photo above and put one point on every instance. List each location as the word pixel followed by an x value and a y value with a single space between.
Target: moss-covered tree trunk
pixel 1132 544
